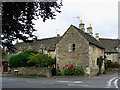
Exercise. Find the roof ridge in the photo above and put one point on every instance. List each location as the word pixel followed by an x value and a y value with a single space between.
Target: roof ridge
pixel 49 38
pixel 108 38
pixel 87 35
pixel 42 39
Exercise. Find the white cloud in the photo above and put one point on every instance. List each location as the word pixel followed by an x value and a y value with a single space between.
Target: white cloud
pixel 102 14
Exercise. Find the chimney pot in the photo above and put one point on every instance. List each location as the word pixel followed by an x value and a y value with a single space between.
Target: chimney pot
pixel 58 35
pixel 81 26
pixel 97 36
pixel 89 30
pixel 17 41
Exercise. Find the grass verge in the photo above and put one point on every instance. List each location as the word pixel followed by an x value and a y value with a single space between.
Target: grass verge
pixel 30 75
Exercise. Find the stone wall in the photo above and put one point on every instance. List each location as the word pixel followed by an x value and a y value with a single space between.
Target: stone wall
pixel 52 54
pixel 80 56
pixel 94 53
pixel 33 70
pixel 113 70
pixel 112 56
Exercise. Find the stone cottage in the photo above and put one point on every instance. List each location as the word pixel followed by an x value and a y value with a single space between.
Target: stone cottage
pixel 79 48
pixel 75 47
pixel 46 45
pixel 111 48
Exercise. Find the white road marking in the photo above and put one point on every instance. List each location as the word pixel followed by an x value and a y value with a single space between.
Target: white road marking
pixel 63 81
pixel 115 83
pixel 11 79
pixel 77 85
pixel 77 82
pixel 110 81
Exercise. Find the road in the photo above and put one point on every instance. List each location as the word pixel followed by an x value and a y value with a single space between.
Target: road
pixel 102 81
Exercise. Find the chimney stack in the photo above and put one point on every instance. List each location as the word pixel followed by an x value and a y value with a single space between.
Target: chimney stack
pixel 58 35
pixel 97 36
pixel 89 30
pixel 81 26
pixel 17 41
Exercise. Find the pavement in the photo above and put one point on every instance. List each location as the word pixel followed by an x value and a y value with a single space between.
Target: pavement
pixel 102 81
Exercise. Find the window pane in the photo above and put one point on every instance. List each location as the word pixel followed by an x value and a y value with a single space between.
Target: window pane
pixel 70 48
pixel 73 47
pixel 41 50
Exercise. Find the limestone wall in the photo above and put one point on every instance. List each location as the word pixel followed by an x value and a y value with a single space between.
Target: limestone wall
pixel 80 56
pixel 52 54
pixel 94 53
pixel 112 56
pixel 33 70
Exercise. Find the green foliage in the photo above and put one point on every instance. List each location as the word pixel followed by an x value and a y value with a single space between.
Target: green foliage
pixel 17 19
pixel 30 52
pixel 40 59
pixel 30 75
pixel 58 72
pixel 73 70
pixel 20 60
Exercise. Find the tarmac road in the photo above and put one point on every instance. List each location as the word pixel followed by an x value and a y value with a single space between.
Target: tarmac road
pixel 102 81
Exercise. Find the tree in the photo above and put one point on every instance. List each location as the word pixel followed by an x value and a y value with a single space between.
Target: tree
pixel 17 20
pixel 40 59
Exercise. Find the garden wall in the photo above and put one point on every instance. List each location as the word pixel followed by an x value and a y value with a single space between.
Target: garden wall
pixel 47 71
pixel 114 70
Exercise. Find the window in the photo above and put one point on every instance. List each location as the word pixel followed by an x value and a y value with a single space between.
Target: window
pixel 41 50
pixel 71 47
pixel 93 47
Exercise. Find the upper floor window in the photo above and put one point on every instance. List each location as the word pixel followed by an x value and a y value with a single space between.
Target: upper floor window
pixel 93 47
pixel 71 47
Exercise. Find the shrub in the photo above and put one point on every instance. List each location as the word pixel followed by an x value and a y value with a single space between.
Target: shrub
pixel 30 52
pixel 40 59
pixel 73 70
pixel 20 60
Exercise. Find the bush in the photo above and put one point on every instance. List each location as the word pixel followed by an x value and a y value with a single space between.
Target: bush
pixel 73 70
pixel 40 59
pixel 58 72
pixel 20 60
pixel 30 52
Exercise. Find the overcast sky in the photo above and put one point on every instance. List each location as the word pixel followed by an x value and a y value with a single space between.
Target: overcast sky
pixel 102 14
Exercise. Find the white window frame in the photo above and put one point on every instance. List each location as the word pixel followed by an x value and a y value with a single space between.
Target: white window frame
pixel 70 47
